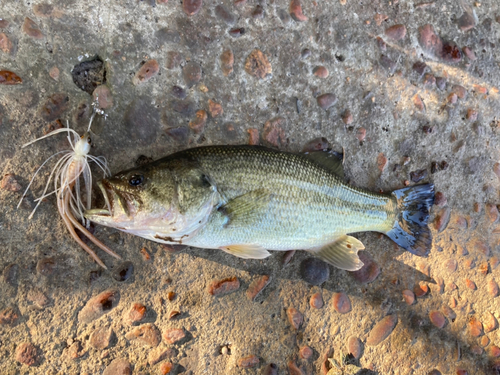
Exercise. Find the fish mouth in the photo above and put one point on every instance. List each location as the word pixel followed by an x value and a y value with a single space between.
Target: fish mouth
pixel 99 215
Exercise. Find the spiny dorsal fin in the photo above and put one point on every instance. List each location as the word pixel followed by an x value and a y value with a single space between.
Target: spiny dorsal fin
pixel 246 251
pixel 246 208
pixel 343 253
pixel 328 159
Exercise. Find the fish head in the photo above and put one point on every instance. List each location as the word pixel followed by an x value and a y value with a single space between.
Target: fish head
pixel 155 202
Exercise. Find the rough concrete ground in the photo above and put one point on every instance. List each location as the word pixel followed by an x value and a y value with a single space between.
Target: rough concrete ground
pixel 390 114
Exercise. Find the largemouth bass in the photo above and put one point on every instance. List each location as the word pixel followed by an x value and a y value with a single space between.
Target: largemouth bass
pixel 246 200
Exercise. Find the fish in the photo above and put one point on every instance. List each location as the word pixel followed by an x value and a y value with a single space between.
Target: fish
pixel 249 200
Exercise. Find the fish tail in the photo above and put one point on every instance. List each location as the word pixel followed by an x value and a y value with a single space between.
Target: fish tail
pixel 410 231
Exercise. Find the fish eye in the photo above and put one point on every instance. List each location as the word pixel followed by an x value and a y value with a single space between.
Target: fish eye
pixel 89 141
pixel 136 180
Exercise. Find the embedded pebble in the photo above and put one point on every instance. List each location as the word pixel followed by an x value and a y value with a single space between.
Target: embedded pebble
pixel 253 136
pixel 191 7
pixel 451 52
pixel 9 316
pixel 227 62
pixel 370 270
pixel 173 60
pixel 215 109
pixel 460 91
pixel 305 352
pixel 419 67
pixel 355 347
pixel 123 272
pixel 119 366
pixel 475 327
pixel 325 101
pixel 483 268
pixel 382 45
pixel 316 144
pixel 173 335
pixel 9 183
pixel 249 361
pixel 492 213
pixel 379 18
pixel 381 161
pixel 429 40
pixel 492 288
pixel 419 104
pixel 54 106
pixel 320 72
pixel 382 330
pixel 27 354
pixel 270 369
pixel 421 290
pixel 38 298
pixel 361 134
pixel 466 21
pixel 102 95
pixel 479 246
pixel 191 73
pixel 387 63
pixel 146 334
pixel 408 296
pixel 452 98
pixel 490 323
pixel 316 301
pixel 429 80
pixel 469 53
pixel 99 305
pixel 494 351
pixel 224 14
pixel 256 286
pixel 471 115
pixel 296 11
pixel 293 369
pixel 451 265
pixel 7 77
pixel 441 83
pixel 224 286
pixel 166 367
pixel 4 23
pixel 159 354
pixel 135 314
pixel 197 125
pixel 31 29
pixel 9 274
pixel 396 32
pixel 442 219
pixel 273 133
pixel 306 53
pixel 314 271
pixel 449 313
pixel 437 318
pixel 147 71
pixel 258 12
pixel 101 338
pixel 257 64
pixel 294 317
pixel 237 32
pixel 5 43
pixel 347 117
pixel 341 303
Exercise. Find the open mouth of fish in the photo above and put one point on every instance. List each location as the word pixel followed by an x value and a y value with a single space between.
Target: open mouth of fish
pixel 115 205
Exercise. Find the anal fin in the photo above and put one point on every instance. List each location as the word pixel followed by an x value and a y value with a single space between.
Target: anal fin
pixel 246 251
pixel 342 253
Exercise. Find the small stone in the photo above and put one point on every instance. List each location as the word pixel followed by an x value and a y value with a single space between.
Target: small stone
pixel 256 286
pixel 388 63
pixel 135 314
pixel 102 95
pixel 361 134
pixel 165 368
pixel 381 162
pixel 119 366
pixel 257 64
pixel 441 83
pixel 314 271
pixel 191 73
pixel 494 261
pixel 452 98
pixel 396 32
pixel 99 305
pixel 479 246
pixel 460 91
pixel 293 369
pixel 316 301
pixel 305 352
pixel 9 316
pixel 306 53
pixel 492 213
pixel 421 290
pixel 237 32
pixel 420 67
pixel 27 354
pixel 191 7
pixel 4 23
pixel 419 175
pixel 494 351
pixel 437 318
pixel 197 125
pixel 483 268
pixel 453 303
pixel 382 330
pixel 7 77
pixel 173 335
pixel 215 109
pixel 294 317
pixel 174 314
pixel 341 303
pixel 54 106
pixel 429 40
pixel 429 80
pixel 469 53
pixel 253 136
pixel 31 29
pixel 75 351
pixel 317 144
pixel 379 18
pixel 449 313
pixel 440 199
pixel 461 371
pixel 475 327
pixel 490 323
pixel 354 347
pixel 38 298
pixel 419 104
pixel 382 45
pixel 471 115
pixel 101 338
pixel 347 117
pixel 146 256
pixel 249 361
pixel 270 369
pixel 5 44
pixel 451 52
pixel 258 12
pixel 370 270
pixel 224 14
pixel 227 62
pixel 273 133
pixel 320 71
pixel 325 101
pixel 296 11
pixel 174 60
pixel 451 265
pixel 408 296
pixel 9 183
pixel 9 274
pixel 224 286
pixel 159 354
pixel 466 21
pixel 145 334
pixel 442 219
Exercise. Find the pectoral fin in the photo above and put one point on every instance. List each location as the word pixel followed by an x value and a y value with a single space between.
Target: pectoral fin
pixel 343 253
pixel 246 251
pixel 245 209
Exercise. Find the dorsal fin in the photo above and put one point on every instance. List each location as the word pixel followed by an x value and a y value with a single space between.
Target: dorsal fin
pixel 328 159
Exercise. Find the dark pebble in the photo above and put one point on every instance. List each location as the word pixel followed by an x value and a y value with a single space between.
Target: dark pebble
pixel 46 266
pixel 370 270
pixel 434 167
pixel 419 175
pixel 382 45
pixel 258 12
pixel 306 53
pixel 314 271
pixel 191 7
pixel 27 354
pixel 270 369
pixel 428 129
pixel 325 101
pixel 3 23
pixel 441 83
pixel 99 305
pixel 174 60
pixel 429 40
pixel 237 32
pixel 9 274
pixel 185 107
pixel 124 271
pixel 287 257
pixel 396 32
pixel 179 92
pixel 451 52
pixel 440 199
pixel 443 165
pixel 284 16
pixel 55 106
pixel 119 366
pixel 191 73
pixel 387 63
pixel 466 21
pixel 224 14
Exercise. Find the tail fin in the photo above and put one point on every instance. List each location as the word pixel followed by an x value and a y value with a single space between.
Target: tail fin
pixel 410 231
